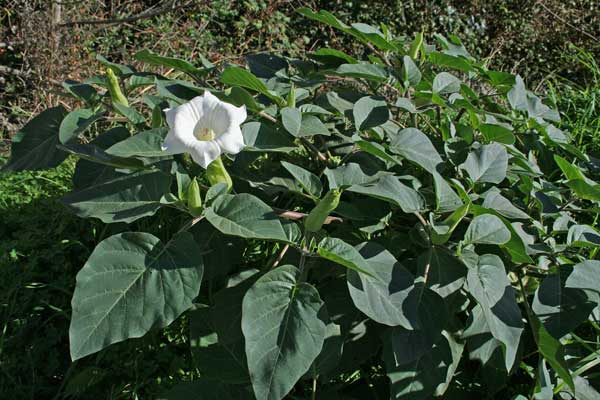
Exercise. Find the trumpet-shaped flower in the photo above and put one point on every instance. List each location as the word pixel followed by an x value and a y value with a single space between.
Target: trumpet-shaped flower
pixel 205 127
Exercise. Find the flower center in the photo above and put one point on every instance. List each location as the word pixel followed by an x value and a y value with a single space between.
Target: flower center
pixel 204 134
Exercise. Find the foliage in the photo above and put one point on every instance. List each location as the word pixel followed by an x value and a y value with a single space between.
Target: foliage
pixel 425 218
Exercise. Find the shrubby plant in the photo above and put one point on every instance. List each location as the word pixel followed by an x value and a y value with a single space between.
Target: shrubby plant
pixel 408 214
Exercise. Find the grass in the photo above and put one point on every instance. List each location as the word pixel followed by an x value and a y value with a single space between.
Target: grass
pixel 580 103
pixel 42 247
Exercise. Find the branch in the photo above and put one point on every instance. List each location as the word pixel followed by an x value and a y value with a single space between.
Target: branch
pixel 298 215
pixel 564 21
pixel 170 6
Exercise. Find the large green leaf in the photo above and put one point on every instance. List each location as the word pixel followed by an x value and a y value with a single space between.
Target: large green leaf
pixel 132 283
pixel 488 163
pixel 76 122
pixel 370 112
pixel 340 252
pixel 88 173
pixel 371 72
pixel 214 358
pixel 263 137
pixel 309 181
pixel 390 189
pixel 415 146
pixel 445 273
pixel 586 276
pixel 246 216
pixel 121 199
pixel 445 83
pixel 283 321
pixel 551 349
pixel 559 308
pixel 150 57
pixel 143 144
pixel 34 146
pixel 427 375
pixel 237 76
pixel 387 295
pixel 487 229
pixel 347 175
pixel 490 286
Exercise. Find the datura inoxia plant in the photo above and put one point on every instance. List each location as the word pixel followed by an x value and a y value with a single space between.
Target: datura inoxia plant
pixel 407 222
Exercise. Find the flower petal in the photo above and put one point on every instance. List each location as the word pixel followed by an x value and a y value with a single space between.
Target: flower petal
pixel 232 141
pixel 226 115
pixel 172 144
pixel 203 153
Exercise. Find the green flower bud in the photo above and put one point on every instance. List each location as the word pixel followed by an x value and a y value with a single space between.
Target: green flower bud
pixel 216 173
pixel 193 198
pixel 115 89
pixel 315 220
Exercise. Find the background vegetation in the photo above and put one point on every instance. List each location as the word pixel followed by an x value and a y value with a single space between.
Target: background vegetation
pixel 551 43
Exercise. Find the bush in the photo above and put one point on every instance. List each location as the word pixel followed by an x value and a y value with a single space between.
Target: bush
pixel 410 225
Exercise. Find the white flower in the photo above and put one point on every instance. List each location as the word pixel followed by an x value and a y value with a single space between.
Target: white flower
pixel 205 127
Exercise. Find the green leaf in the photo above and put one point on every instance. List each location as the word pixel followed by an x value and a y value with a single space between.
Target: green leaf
pixel 445 273
pixel 515 246
pixel 446 198
pixel 551 349
pixel 415 146
pixel 284 328
pixel 487 229
pixel 410 72
pixel 332 57
pixel 132 283
pixel 495 131
pixel 342 253
pixel 586 276
pixel 88 173
pixel 583 236
pixel 387 294
pixel 370 112
pixel 445 83
pixel 246 216
pixel 291 118
pixel 488 163
pixel 427 375
pixel 489 285
pixel 121 199
pixel 97 155
pixel 495 201
pixel 152 58
pixel 76 122
pixel 34 146
pixel 559 308
pixel 213 358
pixel 130 113
pixel 440 233
pixel 347 175
pixel 446 60
pixel 390 189
pixel 377 150
pixel 370 72
pixel 263 137
pixel 309 181
pixel 237 76
pixel 82 91
pixel 143 144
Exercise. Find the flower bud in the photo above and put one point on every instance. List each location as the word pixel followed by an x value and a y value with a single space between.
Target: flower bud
pixel 216 173
pixel 114 89
pixel 315 220
pixel 193 198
